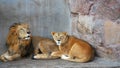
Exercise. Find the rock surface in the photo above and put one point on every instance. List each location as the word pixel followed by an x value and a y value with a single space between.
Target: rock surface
pixel 98 22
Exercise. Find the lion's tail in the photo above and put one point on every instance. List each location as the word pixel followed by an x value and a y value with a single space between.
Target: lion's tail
pixel 82 60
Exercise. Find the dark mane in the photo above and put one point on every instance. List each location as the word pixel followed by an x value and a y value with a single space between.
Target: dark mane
pixel 14 25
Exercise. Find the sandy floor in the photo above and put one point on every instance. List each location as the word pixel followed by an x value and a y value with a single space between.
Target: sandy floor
pixel 58 63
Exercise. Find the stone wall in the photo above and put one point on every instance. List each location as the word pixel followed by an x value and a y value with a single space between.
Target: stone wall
pixel 98 22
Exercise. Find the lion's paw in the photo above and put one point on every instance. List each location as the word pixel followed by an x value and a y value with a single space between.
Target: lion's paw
pixel 65 57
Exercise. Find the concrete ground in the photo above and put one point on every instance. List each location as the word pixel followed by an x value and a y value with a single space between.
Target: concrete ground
pixel 58 63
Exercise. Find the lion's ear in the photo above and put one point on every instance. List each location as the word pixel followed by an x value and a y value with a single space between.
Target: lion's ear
pixel 65 33
pixel 53 33
pixel 27 24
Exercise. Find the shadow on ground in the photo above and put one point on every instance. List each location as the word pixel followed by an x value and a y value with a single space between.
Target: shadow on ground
pixel 58 63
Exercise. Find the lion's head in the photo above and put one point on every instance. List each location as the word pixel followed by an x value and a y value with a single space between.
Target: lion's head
pixel 59 37
pixel 20 30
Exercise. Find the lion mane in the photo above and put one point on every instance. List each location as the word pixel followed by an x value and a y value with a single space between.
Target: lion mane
pixel 18 42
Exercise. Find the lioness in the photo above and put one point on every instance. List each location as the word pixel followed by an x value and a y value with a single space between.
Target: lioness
pixel 43 47
pixel 18 42
pixel 71 48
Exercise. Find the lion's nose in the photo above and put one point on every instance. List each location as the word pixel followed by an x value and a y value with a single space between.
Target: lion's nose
pixel 58 40
pixel 28 36
pixel 28 32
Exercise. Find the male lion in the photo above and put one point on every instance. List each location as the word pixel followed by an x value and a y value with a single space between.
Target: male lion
pixel 71 48
pixel 43 47
pixel 18 42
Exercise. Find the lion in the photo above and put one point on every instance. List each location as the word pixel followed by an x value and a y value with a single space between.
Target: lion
pixel 72 48
pixel 43 47
pixel 18 42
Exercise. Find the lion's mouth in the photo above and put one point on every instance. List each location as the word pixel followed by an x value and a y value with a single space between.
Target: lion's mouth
pixel 28 37
pixel 58 43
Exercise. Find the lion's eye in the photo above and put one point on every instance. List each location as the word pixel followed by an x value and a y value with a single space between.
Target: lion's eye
pixel 61 37
pixel 28 28
pixel 22 31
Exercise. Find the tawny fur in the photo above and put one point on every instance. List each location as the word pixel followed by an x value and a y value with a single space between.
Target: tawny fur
pixel 43 47
pixel 17 46
pixel 72 48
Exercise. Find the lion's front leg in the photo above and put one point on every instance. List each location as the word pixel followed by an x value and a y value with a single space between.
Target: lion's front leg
pixel 57 54
pixel 7 57
pixel 40 56
pixel 3 57
pixel 44 56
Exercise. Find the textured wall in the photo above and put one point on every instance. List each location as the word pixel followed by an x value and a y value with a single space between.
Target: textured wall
pixel 98 22
pixel 43 16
